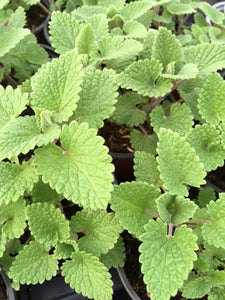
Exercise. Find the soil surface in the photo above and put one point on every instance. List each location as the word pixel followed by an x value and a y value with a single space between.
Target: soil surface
pixel 3 292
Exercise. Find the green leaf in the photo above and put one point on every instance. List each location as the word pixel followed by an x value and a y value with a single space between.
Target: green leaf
pixel 143 76
pixel 15 180
pixel 47 224
pixel 188 71
pixel 131 202
pixel 211 99
pixel 53 89
pixel 134 10
pixel 197 287
pixel 175 209
pixel 83 13
pixel 178 118
pixel 148 44
pixel 216 294
pixel 217 277
pixel 99 24
pixel 3 241
pixel 3 3
pixel 17 18
pixel 206 141
pixel 135 29
pixel 63 31
pixel 87 275
pixel 205 195
pixel 143 142
pixel 35 54
pixel 178 163
pixel 215 15
pixel 22 135
pixel 93 106
pixel 83 155
pixel 33 265
pixel 108 3
pixel 85 42
pixel 101 230
pixel 166 262
pixel 63 250
pixel 43 193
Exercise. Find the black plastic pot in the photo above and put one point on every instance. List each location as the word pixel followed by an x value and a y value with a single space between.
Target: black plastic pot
pixel 127 286
pixel 40 27
pixel 10 291
pixel 45 30
pixel 123 163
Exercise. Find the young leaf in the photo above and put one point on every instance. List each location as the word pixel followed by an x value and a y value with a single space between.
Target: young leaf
pixel 148 44
pixel 93 106
pixel 135 29
pixel 42 192
pixel 197 287
pixel 15 180
pixel 56 86
pixel 47 224
pixel 3 3
pixel 215 15
pixel 188 71
pixel 177 8
pixel 101 231
pixel 33 265
pixel 134 10
pixel 3 240
pixel 179 165
pixel 99 23
pixel 205 195
pixel 166 262
pixel 108 3
pixel 87 182
pixel 63 250
pixel 87 275
pixel 85 42
pixel 63 31
pixel 131 202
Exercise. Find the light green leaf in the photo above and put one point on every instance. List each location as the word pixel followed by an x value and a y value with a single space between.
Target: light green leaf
pixel 216 294
pixel 177 118
pixel 143 142
pixel 94 106
pixel 35 54
pixel 63 25
pixel 101 231
pixel 177 8
pixel 47 224
pixel 148 44
pixel 56 86
pixel 31 2
pixel 83 13
pixel 63 250
pixel 3 3
pixel 17 18
pixel 188 71
pixel 213 14
pixel 85 42
pixel 108 3
pixel 211 99
pixel 115 257
pixel 166 261
pixel 3 241
pixel 197 287
pixel 33 265
pixel 217 277
pixel 134 10
pixel 15 180
pixel 178 163
pixel 43 193
pixel 83 155
pixel 205 195
pixel 131 202
pixel 99 23
pixel 87 275
pixel 135 29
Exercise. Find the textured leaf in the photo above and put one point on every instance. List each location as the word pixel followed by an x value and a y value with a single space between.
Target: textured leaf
pixel 175 209
pixel 3 3
pixel 43 193
pixel 15 180
pixel 215 15
pixel 13 218
pixel 197 288
pixel 22 135
pixel 135 29
pixel 211 99
pixel 85 42
pixel 108 3
pixel 178 118
pixel 178 163
pixel 146 168
pixel 63 250
pixel 82 171
pixel 85 12
pixel 142 76
pixel 188 71
pixel 176 8
pixel 216 294
pixel 134 10
pixel 53 89
pixel 101 230
pixel 99 23
pixel 47 224
pixel 94 106
pixel 115 257
pixel 12 103
pixel 205 195
pixel 87 275
pixel 142 142
pixel 206 141
pixel 131 202
pixel 3 241
pixel 35 54
pixel 166 261
pixel 148 44
pixel 33 265
pixel 63 25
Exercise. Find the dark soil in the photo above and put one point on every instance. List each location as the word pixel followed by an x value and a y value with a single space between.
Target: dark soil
pixel 3 291
pixel 35 16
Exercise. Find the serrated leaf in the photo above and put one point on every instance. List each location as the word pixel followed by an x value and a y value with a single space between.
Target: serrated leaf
pixel 166 262
pixel 217 277
pixel 85 12
pixel 178 118
pixel 188 71
pixel 175 209
pixel 131 202
pixel 53 89
pixel 179 165
pixel 63 250
pixel 134 10
pixel 215 15
pixel 87 275
pixel 85 42
pixel 63 25
pixel 99 24
pixel 108 3
pixel 15 180
pixel 143 76
pixel 146 168
pixel 205 195
pixel 148 44
pixel 176 8
pixel 33 265
pixel 208 57
pixel 22 135
pixel 3 241
pixel 101 230
pixel 83 155
pixel 126 110
pixel 93 106
pixel 17 18
pixel 13 218
pixel 42 192
pixel 142 142
pixel 206 141
pixel 135 29
pixel 115 257
pixel 35 54
pixel 197 288
pixel 210 102
pixel 47 224
pixel 216 294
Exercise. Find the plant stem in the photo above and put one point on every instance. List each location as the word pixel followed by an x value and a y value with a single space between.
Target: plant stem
pixel 199 222
pixel 142 129
pixel 151 213
pixel 170 230
pixel 13 83
pixel 44 8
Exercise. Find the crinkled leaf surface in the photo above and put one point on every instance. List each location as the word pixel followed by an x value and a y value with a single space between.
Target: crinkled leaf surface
pixel 177 8
pixel 211 99
pixel 166 262
pixel 188 71
pixel 99 23
pixel 63 250
pixel 135 29
pixel 47 224
pixel 15 180
pixel 87 275
pixel 143 142
pixel 56 86
pixel 85 42
pixel 97 97
pixel 33 265
pixel 179 165
pixel 42 192
pixel 134 10
pixel 81 171
pixel 108 3
pixel 101 230
pixel 83 13
pixel 197 287
pixel 131 202
pixel 206 141
pixel 115 257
